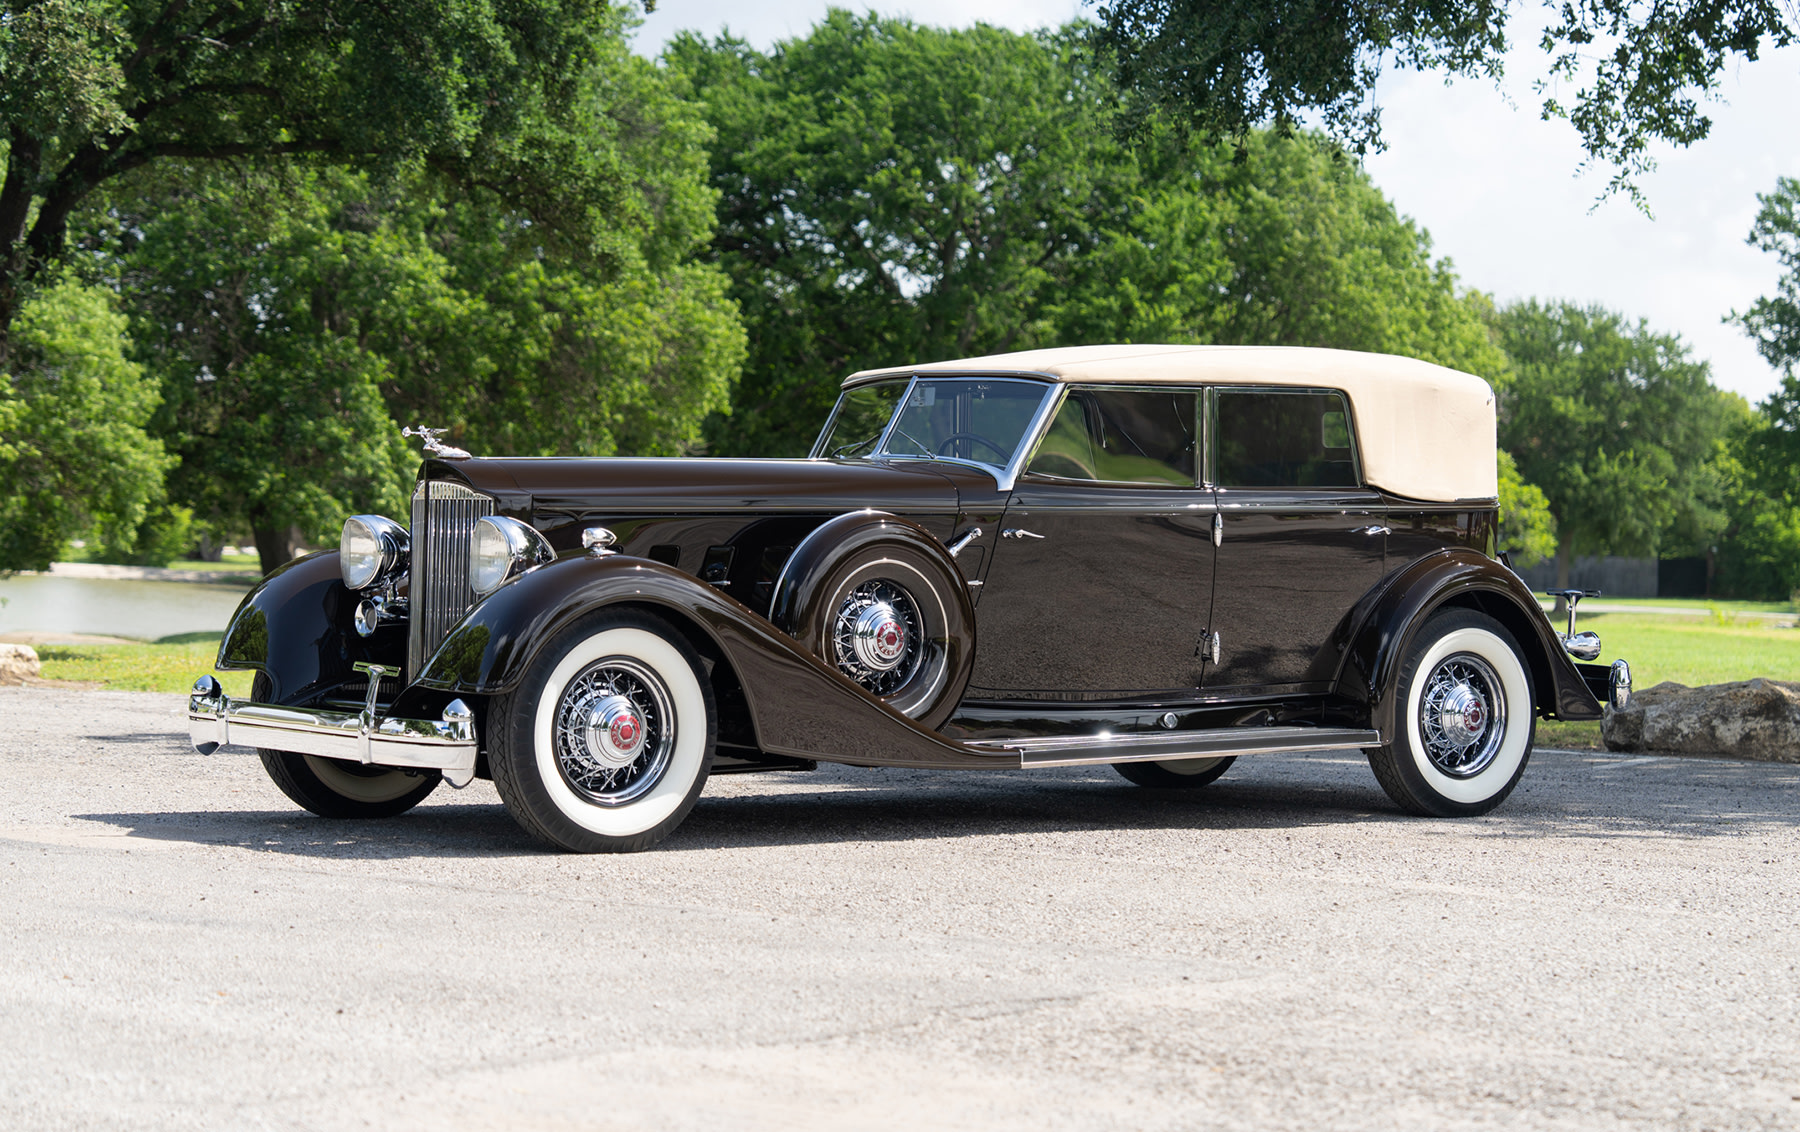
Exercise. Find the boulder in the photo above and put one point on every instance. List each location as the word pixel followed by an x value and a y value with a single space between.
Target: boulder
pixel 18 663
pixel 1754 719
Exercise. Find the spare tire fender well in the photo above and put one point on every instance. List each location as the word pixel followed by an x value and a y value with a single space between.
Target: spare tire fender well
pixel 809 565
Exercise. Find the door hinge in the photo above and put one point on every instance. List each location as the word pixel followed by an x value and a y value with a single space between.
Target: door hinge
pixel 1218 529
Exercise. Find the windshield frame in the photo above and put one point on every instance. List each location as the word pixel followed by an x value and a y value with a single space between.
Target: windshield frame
pixel 1004 476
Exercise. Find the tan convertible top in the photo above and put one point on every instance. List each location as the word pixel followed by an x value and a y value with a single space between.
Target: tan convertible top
pixel 1426 432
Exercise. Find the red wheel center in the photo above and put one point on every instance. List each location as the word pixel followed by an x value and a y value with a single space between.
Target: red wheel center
pixel 890 639
pixel 625 732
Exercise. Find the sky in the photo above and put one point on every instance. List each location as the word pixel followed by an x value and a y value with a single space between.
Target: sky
pixel 1499 190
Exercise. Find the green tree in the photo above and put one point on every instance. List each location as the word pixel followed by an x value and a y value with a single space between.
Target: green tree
pixel 1773 321
pixel 1640 69
pixel 293 313
pixel 73 451
pixel 1527 526
pixel 1615 423
pixel 895 193
pixel 92 89
pixel 489 95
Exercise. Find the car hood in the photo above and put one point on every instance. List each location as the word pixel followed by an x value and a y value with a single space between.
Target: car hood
pixel 702 484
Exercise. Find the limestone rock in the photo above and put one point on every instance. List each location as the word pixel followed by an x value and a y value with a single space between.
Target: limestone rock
pixel 1754 719
pixel 18 663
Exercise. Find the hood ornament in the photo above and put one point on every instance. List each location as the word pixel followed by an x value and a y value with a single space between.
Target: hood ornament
pixel 434 446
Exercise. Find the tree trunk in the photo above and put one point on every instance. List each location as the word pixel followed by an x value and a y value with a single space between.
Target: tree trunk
pixel 1565 548
pixel 275 546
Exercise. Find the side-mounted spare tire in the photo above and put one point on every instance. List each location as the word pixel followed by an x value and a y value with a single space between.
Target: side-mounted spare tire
pixel 881 600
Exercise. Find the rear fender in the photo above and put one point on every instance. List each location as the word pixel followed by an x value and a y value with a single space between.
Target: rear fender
pixel 1463 578
pixel 798 705
pixel 297 628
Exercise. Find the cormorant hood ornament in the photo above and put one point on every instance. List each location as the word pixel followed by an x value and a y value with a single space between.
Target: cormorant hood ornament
pixel 433 445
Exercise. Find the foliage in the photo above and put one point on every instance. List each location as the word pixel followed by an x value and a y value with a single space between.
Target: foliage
pixel 165 535
pixel 1774 321
pixel 1759 552
pixel 293 309
pixel 893 193
pixel 1614 422
pixel 1527 528
pixel 1643 67
pixel 484 92
pixel 73 450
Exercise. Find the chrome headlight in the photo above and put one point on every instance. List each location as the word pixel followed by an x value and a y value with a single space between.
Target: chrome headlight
pixel 502 547
pixel 370 549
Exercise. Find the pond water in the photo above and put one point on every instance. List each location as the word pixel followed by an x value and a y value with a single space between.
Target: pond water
pixel 145 610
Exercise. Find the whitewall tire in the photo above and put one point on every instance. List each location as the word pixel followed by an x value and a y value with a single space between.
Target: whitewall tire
pixel 1465 719
pixel 606 744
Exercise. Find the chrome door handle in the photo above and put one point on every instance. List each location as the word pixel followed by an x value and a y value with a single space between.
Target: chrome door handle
pixel 1018 532
pixel 1376 529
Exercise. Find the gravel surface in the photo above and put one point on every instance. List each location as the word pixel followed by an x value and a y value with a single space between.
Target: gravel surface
pixel 1615 948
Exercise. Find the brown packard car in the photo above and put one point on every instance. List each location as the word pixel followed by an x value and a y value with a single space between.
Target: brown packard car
pixel 1154 557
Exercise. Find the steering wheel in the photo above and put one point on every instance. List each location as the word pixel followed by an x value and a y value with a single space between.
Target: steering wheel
pixel 942 449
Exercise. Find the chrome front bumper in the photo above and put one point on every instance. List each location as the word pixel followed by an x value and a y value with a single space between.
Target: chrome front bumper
pixel 216 720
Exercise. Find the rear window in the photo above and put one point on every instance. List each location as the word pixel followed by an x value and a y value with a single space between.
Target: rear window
pixel 1284 438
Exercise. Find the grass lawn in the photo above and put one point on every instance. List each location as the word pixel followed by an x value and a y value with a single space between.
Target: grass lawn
pixel 1688 650
pixel 1702 603
pixel 168 665
pixel 229 563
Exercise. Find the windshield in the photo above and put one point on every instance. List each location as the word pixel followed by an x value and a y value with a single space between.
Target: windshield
pixel 981 420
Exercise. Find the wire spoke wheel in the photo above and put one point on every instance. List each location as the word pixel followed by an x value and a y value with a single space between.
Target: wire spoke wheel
pixel 1463 715
pixel 615 730
pixel 878 637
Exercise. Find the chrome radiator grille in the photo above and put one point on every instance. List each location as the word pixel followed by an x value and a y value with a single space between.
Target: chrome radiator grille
pixel 443 519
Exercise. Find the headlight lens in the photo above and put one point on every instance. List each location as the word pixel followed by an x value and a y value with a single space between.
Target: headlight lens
pixel 370 548
pixel 502 547
pixel 492 555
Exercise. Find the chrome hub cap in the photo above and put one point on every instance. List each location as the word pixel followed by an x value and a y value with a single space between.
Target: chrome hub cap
pixel 1462 715
pixel 878 637
pixel 615 731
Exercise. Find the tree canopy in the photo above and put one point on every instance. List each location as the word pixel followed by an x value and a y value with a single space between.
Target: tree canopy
pixel 891 192
pixel 1640 69
pixel 1614 422
pixel 73 451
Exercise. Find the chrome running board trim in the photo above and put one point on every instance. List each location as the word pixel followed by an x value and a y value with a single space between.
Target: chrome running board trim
pixel 1139 747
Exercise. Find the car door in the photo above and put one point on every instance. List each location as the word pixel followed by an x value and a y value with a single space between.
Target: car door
pixel 1101 581
pixel 1302 539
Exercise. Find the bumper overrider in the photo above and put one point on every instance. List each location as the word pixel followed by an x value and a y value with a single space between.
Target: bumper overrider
pixel 448 744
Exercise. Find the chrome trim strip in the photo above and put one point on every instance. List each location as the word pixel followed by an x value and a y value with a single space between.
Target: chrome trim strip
pixel 216 720
pixel 1137 747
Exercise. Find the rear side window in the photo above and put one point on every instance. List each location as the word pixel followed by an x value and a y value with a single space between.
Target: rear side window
pixel 1283 438
pixel 1123 436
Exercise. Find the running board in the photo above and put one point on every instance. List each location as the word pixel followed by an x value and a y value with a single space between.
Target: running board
pixel 1140 747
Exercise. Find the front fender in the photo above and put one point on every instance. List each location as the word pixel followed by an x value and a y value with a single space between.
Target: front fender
pixel 296 628
pixel 799 706
pixel 1457 576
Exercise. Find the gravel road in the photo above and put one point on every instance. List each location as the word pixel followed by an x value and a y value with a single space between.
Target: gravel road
pixel 1616 948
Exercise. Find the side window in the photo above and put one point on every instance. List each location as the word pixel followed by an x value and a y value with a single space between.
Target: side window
pixel 1282 438
pixel 1122 436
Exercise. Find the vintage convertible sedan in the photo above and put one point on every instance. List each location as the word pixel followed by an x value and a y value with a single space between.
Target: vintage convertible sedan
pixel 1159 558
